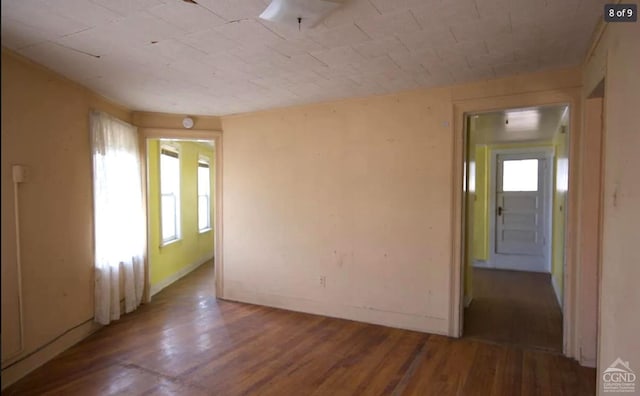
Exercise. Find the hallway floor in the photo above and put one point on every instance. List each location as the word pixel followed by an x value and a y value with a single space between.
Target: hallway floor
pixel 514 307
pixel 185 342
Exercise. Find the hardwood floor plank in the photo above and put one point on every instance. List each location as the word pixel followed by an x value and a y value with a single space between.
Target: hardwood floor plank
pixel 188 343
pixel 508 378
pixel 514 307
pixel 393 366
pixel 436 351
pixel 483 371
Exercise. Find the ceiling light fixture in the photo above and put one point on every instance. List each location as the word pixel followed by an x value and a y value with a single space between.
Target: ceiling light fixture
pixel 309 12
pixel 187 122
pixel 522 120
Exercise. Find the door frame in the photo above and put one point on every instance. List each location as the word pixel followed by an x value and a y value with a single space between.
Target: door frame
pixel 460 109
pixel 180 134
pixel 548 154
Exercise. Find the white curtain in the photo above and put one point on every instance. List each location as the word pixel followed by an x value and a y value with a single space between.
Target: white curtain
pixel 119 227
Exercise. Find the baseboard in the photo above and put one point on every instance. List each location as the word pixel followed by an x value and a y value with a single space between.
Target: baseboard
pixel 407 321
pixel 593 363
pixel 155 289
pixel 556 291
pixel 482 264
pixel 21 368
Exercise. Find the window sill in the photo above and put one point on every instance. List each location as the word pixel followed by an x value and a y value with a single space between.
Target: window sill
pixel 171 242
pixel 205 230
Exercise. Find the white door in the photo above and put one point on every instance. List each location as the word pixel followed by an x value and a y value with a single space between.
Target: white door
pixel 521 212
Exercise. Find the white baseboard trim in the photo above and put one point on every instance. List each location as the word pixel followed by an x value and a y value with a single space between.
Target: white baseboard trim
pixel 499 265
pixel 482 264
pixel 30 362
pixel 407 321
pixel 556 291
pixel 593 363
pixel 155 289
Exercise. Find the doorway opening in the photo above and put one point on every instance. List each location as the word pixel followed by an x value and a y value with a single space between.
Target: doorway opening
pixel 514 266
pixel 181 202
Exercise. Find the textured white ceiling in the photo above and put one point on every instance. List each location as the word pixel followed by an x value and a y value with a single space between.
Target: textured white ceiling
pixel 219 58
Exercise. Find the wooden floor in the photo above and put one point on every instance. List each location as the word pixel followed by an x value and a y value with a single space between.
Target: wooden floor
pixel 514 307
pixel 187 343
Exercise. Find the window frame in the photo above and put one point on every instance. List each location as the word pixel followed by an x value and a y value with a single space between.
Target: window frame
pixel 175 149
pixel 204 160
pixel 501 175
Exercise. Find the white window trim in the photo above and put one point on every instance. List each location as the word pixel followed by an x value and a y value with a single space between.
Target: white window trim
pixel 174 149
pixel 205 160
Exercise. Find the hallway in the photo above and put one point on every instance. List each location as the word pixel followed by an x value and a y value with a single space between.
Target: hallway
pixel 516 308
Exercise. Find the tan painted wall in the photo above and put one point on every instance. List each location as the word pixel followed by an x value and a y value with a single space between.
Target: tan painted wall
pixel 358 191
pixel 590 230
pixel 617 58
pixel 144 119
pixel 45 126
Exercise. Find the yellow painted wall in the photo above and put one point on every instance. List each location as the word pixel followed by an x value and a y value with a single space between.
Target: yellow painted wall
pixel 477 212
pixel 476 232
pixel 481 203
pixel 193 247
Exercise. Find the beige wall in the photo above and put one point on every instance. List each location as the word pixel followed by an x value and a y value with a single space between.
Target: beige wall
pixel 144 119
pixel 345 190
pixel 617 58
pixel 590 230
pixel 45 124
pixel 358 191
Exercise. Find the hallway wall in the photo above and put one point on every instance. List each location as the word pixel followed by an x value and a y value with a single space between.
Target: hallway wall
pixel 194 247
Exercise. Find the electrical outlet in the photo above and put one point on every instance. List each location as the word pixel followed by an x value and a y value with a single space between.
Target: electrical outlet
pixel 323 281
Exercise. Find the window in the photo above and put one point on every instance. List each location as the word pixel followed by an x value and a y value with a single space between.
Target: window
pixel 204 194
pixel 520 175
pixel 119 222
pixel 170 193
